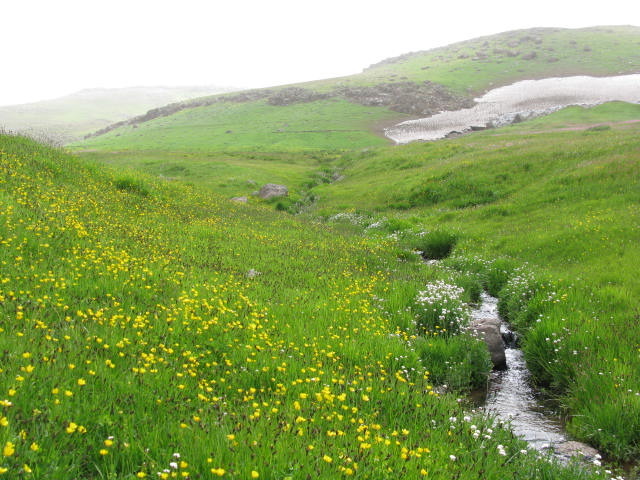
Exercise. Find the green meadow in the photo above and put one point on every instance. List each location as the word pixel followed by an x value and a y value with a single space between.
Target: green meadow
pixel 254 126
pixel 558 194
pixel 152 327
pixel 155 329
pixel 355 120
pixel 483 63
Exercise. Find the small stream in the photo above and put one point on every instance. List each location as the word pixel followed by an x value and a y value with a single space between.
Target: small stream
pixel 511 398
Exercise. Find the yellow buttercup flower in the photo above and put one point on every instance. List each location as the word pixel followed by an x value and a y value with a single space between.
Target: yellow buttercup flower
pixel 9 449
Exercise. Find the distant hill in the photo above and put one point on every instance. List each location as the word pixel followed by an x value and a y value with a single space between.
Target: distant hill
pixel 69 118
pixel 350 112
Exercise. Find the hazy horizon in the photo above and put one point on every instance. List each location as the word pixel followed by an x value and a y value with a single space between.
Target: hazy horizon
pixel 57 49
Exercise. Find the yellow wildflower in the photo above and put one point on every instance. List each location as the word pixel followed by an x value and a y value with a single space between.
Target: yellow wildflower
pixel 9 449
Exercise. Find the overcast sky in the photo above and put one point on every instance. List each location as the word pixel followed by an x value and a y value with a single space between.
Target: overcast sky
pixel 50 48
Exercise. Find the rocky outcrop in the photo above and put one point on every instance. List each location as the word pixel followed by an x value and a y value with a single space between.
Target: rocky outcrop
pixel 273 190
pixel 426 98
pixel 579 450
pixel 291 95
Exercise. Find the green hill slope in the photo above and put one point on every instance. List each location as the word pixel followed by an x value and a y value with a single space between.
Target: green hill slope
pixel 69 118
pixel 349 111
pixel 558 193
pixel 155 330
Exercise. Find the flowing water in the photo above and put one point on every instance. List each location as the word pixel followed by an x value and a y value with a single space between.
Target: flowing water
pixel 511 398
pixel 520 101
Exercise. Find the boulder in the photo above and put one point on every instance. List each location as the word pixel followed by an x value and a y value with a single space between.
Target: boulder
pixel 488 329
pixel 239 199
pixel 273 190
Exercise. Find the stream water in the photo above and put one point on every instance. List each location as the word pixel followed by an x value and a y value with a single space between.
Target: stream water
pixel 520 101
pixel 511 398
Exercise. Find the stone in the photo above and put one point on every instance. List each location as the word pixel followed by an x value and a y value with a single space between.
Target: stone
pixel 576 449
pixel 239 199
pixel 489 331
pixel 273 190
pixel 252 273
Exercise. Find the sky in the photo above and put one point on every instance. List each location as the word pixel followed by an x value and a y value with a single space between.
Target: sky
pixel 53 48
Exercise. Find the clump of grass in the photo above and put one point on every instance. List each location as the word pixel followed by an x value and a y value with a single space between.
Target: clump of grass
pixel 460 362
pixel 471 283
pixel 497 275
pixel 435 245
pixel 131 185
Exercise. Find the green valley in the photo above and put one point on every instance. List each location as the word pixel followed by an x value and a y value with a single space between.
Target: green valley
pixel 151 327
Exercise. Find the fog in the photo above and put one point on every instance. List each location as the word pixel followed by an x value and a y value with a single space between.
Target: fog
pixel 54 48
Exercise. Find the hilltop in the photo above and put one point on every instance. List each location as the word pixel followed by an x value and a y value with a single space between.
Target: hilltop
pixel 69 118
pixel 351 111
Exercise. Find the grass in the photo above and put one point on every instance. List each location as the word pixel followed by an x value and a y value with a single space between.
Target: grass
pixel 293 346
pixel 580 118
pixel 174 334
pixel 256 126
pixel 566 203
pixel 69 118
pixel 563 201
pixel 496 189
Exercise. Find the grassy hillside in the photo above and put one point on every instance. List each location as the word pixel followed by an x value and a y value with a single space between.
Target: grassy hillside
pixel 69 118
pixel 567 203
pixel 559 194
pixel 253 126
pixel 478 65
pixel 348 112
pixel 151 329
